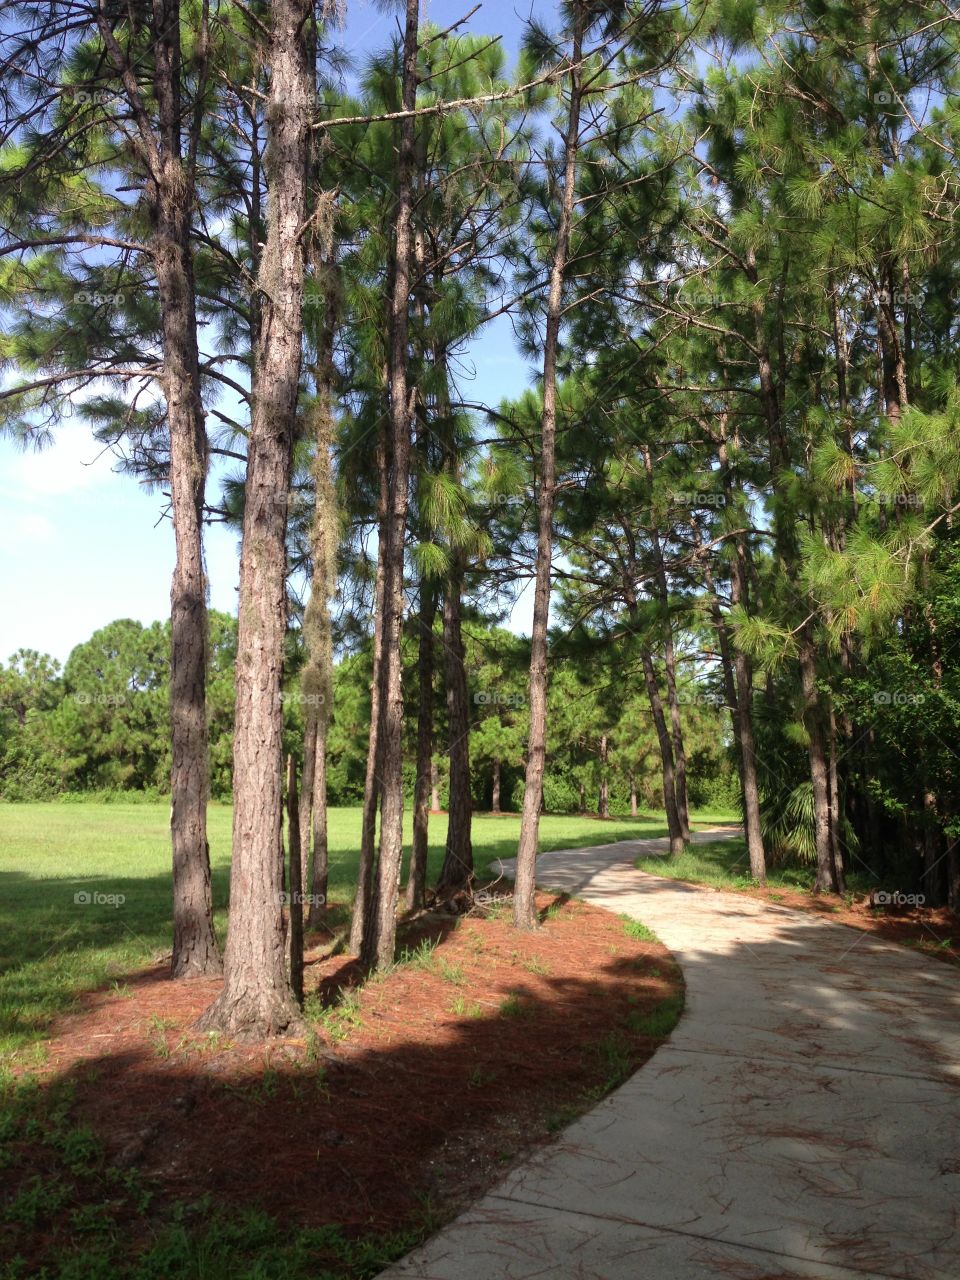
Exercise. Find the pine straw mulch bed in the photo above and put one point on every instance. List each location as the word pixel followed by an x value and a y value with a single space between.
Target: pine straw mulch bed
pixel 407 1097
pixel 932 931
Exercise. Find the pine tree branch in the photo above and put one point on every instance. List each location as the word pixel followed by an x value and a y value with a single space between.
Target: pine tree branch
pixel 88 375
pixel 41 242
pixel 553 76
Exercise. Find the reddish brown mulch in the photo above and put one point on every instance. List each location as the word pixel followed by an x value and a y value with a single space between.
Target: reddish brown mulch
pixel 435 1088
pixel 933 931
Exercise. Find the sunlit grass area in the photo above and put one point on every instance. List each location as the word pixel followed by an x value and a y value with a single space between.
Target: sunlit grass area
pixel 53 946
pixel 725 864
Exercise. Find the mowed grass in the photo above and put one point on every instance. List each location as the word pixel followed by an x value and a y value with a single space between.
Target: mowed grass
pixel 52 947
pixel 724 864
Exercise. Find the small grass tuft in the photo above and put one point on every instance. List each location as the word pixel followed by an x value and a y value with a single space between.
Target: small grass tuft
pixel 514 1007
pixel 451 971
pixel 659 1021
pixel 480 1077
pixel 463 1008
pixel 637 929
pixel 421 956
pixel 337 1020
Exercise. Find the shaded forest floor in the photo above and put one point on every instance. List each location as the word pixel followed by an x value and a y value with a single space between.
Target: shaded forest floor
pixel 933 931
pixel 141 1148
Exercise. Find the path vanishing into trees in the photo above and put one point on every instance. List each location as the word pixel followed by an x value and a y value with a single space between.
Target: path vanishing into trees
pixel 803 1119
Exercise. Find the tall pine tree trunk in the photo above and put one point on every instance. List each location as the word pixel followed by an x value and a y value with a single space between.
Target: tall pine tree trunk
pixel 603 800
pixel 673 702
pixel 359 925
pixel 676 731
pixel 457 870
pixel 195 951
pixel 826 881
pixel 321 855
pixel 727 670
pixel 524 902
pixel 360 921
pixel 316 680
pixel 296 882
pixel 434 789
pixel 666 755
pixel 380 935
pixel 417 879
pixel 748 759
pixel 893 365
pixel 743 672
pixel 495 793
pixel 833 779
pixel 307 789
pixel 257 998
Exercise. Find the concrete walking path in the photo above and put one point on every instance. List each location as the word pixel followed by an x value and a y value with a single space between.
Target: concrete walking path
pixel 802 1120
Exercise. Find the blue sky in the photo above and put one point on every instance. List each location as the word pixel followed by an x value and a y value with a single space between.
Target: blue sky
pixel 85 545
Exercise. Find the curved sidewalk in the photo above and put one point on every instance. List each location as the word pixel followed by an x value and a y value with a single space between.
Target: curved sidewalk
pixel 802 1120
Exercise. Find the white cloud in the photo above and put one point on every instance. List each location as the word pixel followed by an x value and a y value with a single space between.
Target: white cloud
pixel 72 463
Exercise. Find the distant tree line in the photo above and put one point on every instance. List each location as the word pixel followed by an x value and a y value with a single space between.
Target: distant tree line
pixel 100 727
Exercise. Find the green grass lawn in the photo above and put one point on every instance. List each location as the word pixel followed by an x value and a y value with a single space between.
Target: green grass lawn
pixel 726 865
pixel 51 947
pixel 723 864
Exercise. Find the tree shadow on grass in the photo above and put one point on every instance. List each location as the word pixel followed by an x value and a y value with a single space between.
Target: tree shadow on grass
pixel 459 1065
pixel 783 1086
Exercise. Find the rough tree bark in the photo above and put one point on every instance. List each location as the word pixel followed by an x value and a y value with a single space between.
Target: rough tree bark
pixel 307 789
pixel 257 998
pixel 457 870
pixel 296 882
pixel 676 731
pixel 892 360
pixel 371 784
pixel 417 878
pixel 748 757
pixel 743 674
pixel 317 677
pixel 171 195
pixel 603 800
pixel 380 934
pixel 524 902
pixel 666 754
pixel 669 663
pixel 827 880
pixel 321 854
pixel 740 681
pixel 833 781
pixel 495 795
pixel 434 789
